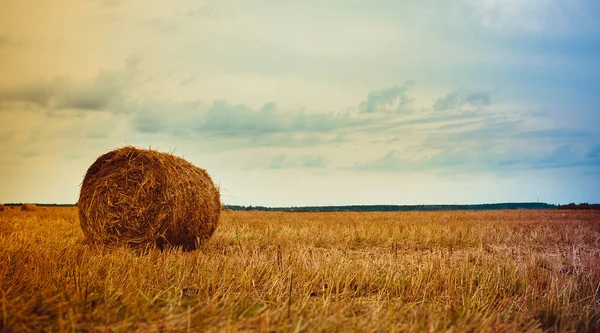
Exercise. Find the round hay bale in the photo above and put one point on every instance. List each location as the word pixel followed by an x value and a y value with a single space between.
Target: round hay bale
pixel 140 197
pixel 28 208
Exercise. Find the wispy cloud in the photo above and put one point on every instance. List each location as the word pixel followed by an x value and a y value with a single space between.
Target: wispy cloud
pixel 497 152
pixel 241 124
pixel 315 161
pixel 224 119
pixel 472 134
pixel 392 99
pixel 282 161
pixel 459 98
pixel 105 92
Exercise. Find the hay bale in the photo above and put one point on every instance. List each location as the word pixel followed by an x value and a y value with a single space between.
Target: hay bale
pixel 140 197
pixel 28 208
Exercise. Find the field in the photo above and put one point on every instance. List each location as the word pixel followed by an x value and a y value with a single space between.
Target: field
pixel 272 271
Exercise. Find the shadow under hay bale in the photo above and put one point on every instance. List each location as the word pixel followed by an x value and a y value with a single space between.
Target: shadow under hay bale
pixel 141 197
pixel 28 208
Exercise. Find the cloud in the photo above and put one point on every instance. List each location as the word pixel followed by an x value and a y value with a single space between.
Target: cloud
pixel 483 140
pixel 315 162
pixel 226 126
pixel 485 157
pixel 177 118
pixel 267 124
pixel 277 162
pixel 148 123
pixel 307 161
pixel 392 99
pixel 239 126
pixel 38 93
pixel 459 98
pixel 225 121
pixel 105 92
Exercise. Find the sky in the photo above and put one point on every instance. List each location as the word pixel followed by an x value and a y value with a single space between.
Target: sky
pixel 308 102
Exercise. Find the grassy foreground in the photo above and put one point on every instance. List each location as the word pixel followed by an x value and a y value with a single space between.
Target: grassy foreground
pixel 415 271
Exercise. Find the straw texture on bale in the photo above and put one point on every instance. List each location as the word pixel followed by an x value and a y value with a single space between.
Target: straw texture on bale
pixel 140 197
pixel 28 208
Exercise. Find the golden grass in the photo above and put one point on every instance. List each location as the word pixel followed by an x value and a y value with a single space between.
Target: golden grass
pixel 414 271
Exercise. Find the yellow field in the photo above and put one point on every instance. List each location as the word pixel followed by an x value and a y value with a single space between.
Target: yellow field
pixel 439 271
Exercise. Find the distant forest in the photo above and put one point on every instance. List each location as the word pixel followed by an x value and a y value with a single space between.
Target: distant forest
pixel 40 205
pixel 584 205
pixel 392 208
pixel 402 208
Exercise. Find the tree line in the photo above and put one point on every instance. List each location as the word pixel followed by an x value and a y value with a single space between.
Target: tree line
pixel 580 206
pixel 397 208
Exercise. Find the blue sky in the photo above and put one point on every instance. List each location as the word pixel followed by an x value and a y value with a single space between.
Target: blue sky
pixel 306 103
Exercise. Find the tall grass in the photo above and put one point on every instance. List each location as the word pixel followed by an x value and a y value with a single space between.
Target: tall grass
pixel 270 271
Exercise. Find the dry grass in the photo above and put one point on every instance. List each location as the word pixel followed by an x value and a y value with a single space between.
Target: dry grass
pixel 438 271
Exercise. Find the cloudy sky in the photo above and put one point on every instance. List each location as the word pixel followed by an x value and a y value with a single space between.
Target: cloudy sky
pixel 308 102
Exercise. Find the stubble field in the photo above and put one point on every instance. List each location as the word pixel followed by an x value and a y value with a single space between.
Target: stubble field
pixel 274 271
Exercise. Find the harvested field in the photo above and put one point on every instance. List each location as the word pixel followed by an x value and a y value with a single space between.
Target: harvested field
pixel 274 271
